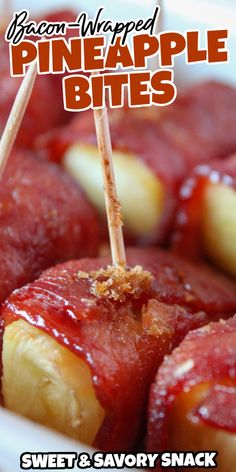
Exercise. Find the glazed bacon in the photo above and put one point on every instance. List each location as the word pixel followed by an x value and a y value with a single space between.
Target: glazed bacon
pixel 193 400
pixel 196 128
pixel 205 222
pixel 44 219
pixel 124 342
pixel 201 122
pixel 45 109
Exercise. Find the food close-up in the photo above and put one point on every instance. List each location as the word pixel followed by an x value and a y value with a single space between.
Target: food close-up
pixel 118 244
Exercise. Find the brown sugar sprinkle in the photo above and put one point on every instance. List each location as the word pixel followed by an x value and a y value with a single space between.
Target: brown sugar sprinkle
pixel 83 275
pixel 117 283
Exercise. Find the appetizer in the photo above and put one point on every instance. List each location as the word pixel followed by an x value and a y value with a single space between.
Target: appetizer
pixel 156 149
pixel 206 217
pixel 193 400
pixel 44 219
pixel 82 344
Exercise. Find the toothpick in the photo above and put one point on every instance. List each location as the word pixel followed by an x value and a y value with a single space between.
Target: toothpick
pixel 113 207
pixel 160 23
pixel 155 61
pixel 16 115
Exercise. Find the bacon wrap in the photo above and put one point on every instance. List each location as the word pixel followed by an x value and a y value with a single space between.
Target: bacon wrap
pixel 44 219
pixel 212 353
pixel 120 345
pixel 45 109
pixel 187 236
pixel 197 128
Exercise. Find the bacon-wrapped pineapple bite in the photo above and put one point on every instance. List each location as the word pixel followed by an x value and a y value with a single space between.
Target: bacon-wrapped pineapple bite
pixel 155 148
pixel 82 344
pixel 45 109
pixel 44 219
pixel 193 400
pixel 206 219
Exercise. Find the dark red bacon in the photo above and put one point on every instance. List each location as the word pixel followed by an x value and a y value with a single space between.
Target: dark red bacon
pixel 194 286
pixel 122 346
pixel 45 109
pixel 188 236
pixel 201 121
pixel 132 132
pixel 44 219
pixel 196 128
pixel 193 400
pixel 171 321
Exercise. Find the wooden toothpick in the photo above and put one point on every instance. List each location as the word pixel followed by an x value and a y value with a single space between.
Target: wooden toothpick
pixel 154 62
pixel 16 115
pixel 160 23
pixel 113 207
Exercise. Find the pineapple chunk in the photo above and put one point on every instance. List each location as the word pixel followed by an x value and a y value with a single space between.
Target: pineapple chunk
pixel 188 433
pixel 48 384
pixel 140 192
pixel 219 226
